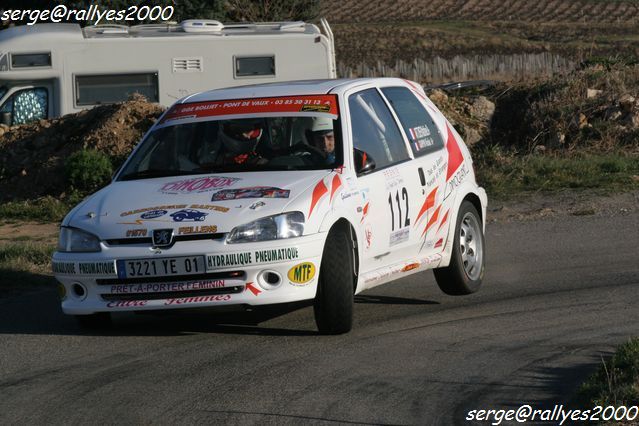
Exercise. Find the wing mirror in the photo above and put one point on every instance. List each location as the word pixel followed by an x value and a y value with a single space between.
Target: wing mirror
pixel 364 163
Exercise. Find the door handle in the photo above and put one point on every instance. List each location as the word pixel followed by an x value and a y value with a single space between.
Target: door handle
pixel 422 178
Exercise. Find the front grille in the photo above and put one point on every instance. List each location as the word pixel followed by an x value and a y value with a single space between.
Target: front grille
pixel 236 275
pixel 172 294
pixel 176 239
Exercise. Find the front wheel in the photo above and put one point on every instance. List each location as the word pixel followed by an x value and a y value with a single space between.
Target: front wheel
pixel 465 272
pixel 333 305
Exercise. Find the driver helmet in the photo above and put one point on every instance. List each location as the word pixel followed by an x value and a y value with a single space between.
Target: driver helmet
pixel 241 136
pixel 321 126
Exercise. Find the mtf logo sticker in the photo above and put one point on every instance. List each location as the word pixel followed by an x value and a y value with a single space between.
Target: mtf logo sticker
pixel 302 273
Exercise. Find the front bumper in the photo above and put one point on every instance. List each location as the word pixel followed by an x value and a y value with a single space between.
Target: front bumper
pixel 252 274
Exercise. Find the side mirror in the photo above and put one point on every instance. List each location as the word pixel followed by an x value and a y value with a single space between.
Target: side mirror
pixel 5 118
pixel 364 163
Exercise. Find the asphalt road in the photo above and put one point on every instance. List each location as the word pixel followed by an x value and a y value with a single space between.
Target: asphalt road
pixel 558 294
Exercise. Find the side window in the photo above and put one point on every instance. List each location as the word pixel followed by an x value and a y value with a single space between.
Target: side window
pixel 255 66
pixel 27 105
pixel 420 128
pixel 106 89
pixel 374 129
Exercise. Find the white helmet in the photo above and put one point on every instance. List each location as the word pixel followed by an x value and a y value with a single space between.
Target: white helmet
pixel 322 125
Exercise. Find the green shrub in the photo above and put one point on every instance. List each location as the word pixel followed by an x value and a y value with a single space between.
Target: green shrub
pixel 88 170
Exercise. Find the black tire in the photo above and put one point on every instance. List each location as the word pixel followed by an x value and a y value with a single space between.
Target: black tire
pixel 99 321
pixel 333 305
pixel 455 279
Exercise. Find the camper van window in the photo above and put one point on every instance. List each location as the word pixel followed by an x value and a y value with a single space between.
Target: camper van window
pixel 27 60
pixel 255 66
pixel 25 106
pixel 110 88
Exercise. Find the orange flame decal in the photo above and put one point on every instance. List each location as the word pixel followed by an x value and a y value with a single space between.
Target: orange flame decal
pixel 429 203
pixel 319 191
pixel 335 185
pixel 365 212
pixel 432 220
pixel 443 220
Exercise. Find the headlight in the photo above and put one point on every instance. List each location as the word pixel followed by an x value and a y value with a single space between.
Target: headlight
pixel 285 225
pixel 75 240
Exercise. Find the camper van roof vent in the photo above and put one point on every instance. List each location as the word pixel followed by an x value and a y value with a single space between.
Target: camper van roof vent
pixel 105 29
pixel 201 26
pixel 187 64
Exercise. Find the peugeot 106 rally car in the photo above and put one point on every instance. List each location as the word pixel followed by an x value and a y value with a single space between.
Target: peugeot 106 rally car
pixel 313 190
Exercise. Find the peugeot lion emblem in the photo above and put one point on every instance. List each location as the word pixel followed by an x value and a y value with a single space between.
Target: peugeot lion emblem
pixel 162 237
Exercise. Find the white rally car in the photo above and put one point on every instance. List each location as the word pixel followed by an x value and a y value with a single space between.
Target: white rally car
pixel 279 193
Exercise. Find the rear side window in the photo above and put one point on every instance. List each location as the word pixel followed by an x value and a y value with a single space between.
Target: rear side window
pixel 111 88
pixel 418 125
pixel 374 129
pixel 28 60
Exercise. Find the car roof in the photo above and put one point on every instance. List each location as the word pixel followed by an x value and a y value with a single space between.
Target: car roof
pixel 287 88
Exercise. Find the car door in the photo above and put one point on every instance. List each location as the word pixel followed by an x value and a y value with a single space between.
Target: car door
pixel 387 188
pixel 429 168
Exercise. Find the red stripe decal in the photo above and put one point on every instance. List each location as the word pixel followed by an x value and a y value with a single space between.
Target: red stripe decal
pixel 432 220
pixel 443 220
pixel 429 203
pixel 439 243
pixel 365 212
pixel 319 191
pixel 253 289
pixel 455 157
pixel 337 183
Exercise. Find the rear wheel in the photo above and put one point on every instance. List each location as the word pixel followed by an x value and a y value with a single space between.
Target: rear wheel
pixel 97 321
pixel 333 305
pixel 465 272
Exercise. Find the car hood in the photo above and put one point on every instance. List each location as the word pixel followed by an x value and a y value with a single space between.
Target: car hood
pixel 190 204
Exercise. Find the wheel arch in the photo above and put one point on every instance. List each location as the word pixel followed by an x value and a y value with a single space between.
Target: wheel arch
pixel 344 225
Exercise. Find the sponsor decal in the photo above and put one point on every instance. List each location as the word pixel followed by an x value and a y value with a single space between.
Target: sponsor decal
pixel 326 104
pixel 347 195
pixel 198 299
pixel 250 192
pixel 275 255
pixel 411 266
pixel 316 108
pixel 150 209
pixel 231 259
pixel 421 137
pixel 252 288
pixel 96 268
pixel 399 236
pixel 257 205
pixel 302 273
pixel 67 268
pixel 166 287
pixel 127 304
pixel 204 229
pixel 368 235
pixel 153 214
pixel 136 232
pixel 249 257
pixel 393 178
pixel 188 214
pixel 210 207
pixel 197 185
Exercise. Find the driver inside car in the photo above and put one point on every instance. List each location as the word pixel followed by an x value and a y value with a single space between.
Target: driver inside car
pixel 240 139
pixel 322 137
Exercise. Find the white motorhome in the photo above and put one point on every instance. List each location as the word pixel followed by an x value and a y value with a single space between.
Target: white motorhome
pixel 49 70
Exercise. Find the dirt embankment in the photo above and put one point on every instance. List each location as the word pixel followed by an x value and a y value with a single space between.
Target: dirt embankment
pixel 32 156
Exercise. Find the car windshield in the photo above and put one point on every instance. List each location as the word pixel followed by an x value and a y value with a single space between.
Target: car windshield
pixel 196 144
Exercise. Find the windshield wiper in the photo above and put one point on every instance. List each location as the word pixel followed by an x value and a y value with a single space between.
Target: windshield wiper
pixel 153 173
